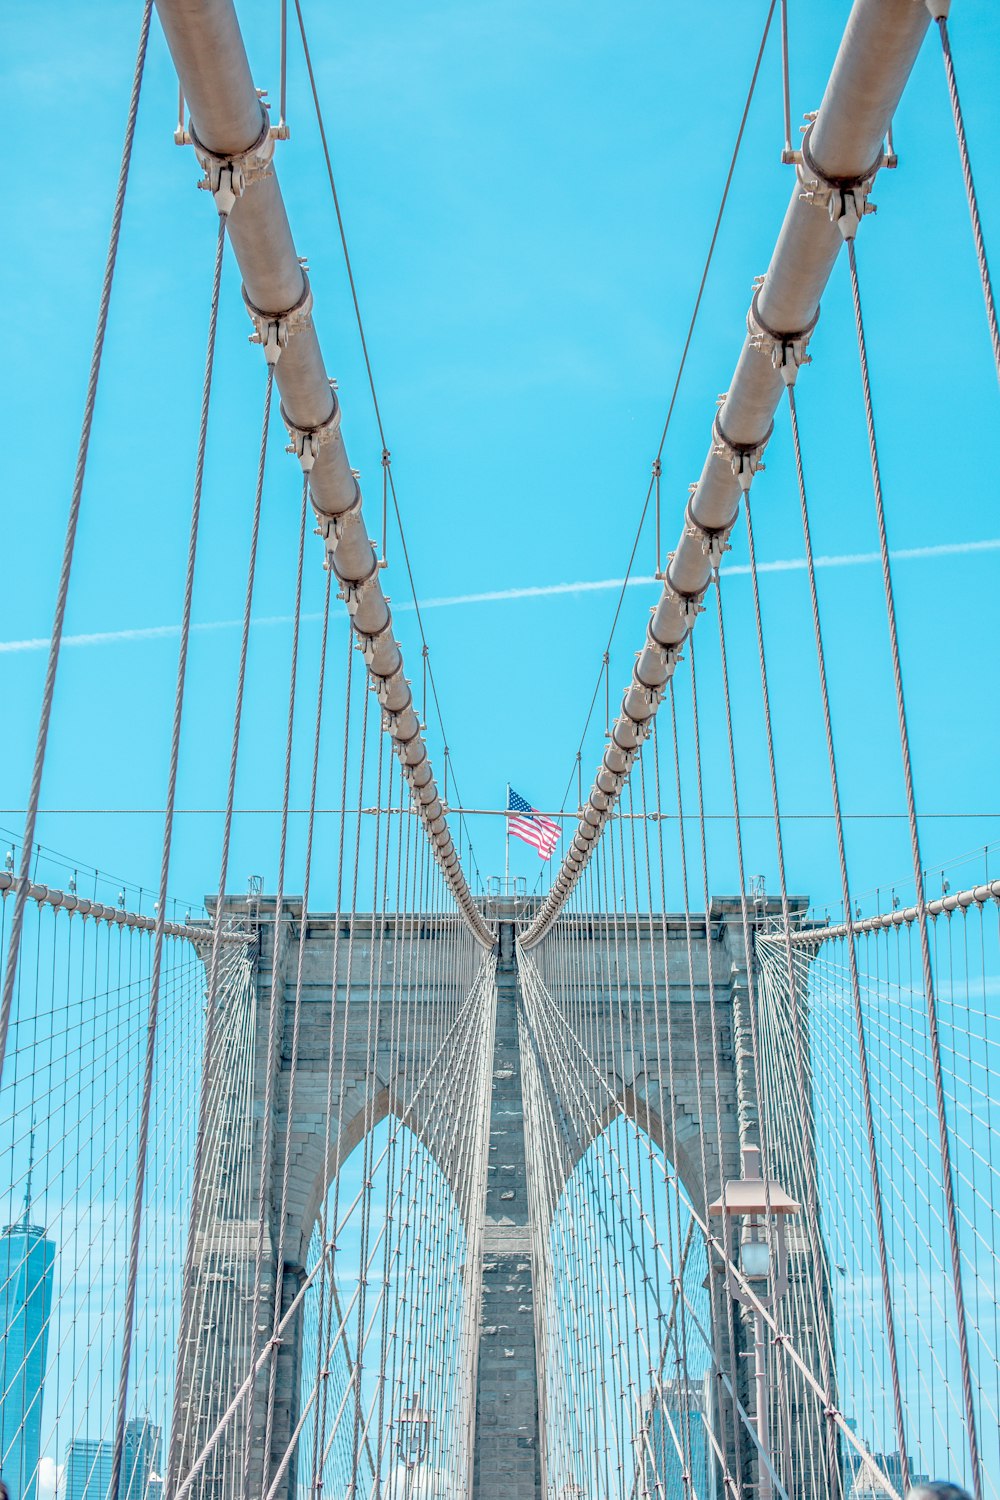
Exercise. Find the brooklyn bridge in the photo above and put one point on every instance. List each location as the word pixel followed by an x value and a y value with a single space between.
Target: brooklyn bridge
pixel 385 1174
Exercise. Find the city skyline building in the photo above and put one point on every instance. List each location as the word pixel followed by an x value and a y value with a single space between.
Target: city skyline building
pixel 859 1483
pixel 27 1259
pixel 671 1417
pixel 88 1469
pixel 89 1464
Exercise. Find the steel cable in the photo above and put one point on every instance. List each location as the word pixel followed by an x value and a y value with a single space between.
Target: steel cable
pixel 876 1181
pixel 69 544
pixel 918 881
pixel 161 910
pixel 213 978
pixel 970 189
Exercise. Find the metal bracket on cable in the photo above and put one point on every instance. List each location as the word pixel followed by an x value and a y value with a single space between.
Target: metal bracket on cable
pixel 369 642
pixel 272 330
pixel 644 727
pixel 786 351
pixel 354 591
pixel 332 528
pixel 306 442
pixel 666 656
pixel 391 723
pixel 228 177
pixel 844 198
pixel 744 458
pixel 714 544
pixel 688 606
pixel 383 688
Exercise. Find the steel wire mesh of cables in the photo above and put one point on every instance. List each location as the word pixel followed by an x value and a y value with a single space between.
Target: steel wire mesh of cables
pixel 72 1091
pixel 644 1033
pixel 384 1332
pixel 966 954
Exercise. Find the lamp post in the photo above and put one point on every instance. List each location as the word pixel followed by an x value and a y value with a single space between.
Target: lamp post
pixel 413 1440
pixel 760 1205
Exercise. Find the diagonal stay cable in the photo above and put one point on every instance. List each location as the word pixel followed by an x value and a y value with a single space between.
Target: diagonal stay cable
pixel 680 372
pixel 69 545
pixel 947 1178
pixel 212 1005
pixel 387 466
pixel 970 187
pixel 138 1195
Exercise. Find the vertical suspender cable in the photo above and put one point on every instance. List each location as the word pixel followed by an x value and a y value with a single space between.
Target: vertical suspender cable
pixel 811 1185
pixel 939 11
pixel 272 1375
pixel 852 957
pixel 283 69
pixel 328 1234
pixel 717 1294
pixel 786 93
pixel 161 910
pixel 69 545
pixel 276 1010
pixel 187 1287
pixel 947 1178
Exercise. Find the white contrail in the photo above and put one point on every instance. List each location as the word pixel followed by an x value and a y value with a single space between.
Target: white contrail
pixel 504 596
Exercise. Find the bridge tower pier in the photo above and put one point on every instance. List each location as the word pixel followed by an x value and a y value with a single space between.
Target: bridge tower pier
pixel 507 1450
pixel 379 1073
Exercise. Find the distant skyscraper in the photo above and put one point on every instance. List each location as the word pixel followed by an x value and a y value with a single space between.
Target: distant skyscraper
pixel 671 1417
pixel 88 1469
pixel 88 1465
pixel 140 1460
pixel 859 1483
pixel 26 1261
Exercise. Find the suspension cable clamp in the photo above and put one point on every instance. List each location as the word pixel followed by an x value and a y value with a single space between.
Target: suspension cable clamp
pixel 644 727
pixel 332 528
pixel 714 544
pixel 306 442
pixel 666 656
pixel 786 351
pixel 688 606
pixel 273 330
pixel 228 177
pixel 371 642
pixel 844 198
pixel 651 694
pixel 391 724
pixel 354 592
pixel 383 686
pixel 745 459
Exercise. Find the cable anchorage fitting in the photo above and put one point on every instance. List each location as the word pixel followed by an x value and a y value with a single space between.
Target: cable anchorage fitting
pixel 688 606
pixel 228 177
pixel 667 657
pixel 273 330
pixel 714 544
pixel 744 458
pixel 307 442
pixel 844 198
pixel 332 528
pixel 786 351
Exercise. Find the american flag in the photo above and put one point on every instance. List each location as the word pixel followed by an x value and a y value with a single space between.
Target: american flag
pixel 525 823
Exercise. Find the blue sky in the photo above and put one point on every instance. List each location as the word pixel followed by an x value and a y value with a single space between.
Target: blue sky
pixel 529 194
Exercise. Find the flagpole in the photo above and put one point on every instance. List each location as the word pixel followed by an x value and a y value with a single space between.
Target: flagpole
pixel 506 840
